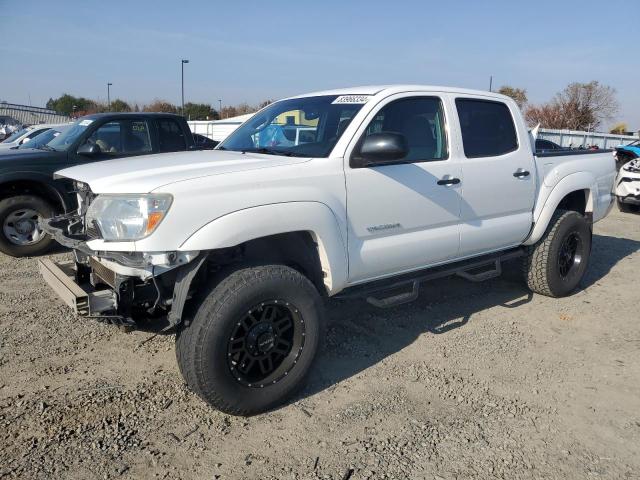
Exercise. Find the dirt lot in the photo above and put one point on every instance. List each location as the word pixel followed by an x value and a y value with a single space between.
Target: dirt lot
pixel 471 381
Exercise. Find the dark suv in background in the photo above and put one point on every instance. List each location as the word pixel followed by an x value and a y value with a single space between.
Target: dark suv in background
pixel 29 192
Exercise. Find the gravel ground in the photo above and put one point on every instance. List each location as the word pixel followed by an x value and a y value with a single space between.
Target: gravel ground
pixel 470 381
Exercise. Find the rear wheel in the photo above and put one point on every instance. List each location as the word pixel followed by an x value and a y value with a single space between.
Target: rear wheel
pixel 555 265
pixel 21 235
pixel 252 340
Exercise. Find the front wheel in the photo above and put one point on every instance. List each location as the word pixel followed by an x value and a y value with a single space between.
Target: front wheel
pixel 555 265
pixel 252 340
pixel 21 235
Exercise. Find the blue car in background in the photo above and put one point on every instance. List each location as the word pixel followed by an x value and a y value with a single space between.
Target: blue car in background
pixel 626 153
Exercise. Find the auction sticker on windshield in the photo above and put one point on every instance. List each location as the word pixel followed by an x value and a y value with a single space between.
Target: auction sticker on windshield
pixel 359 99
pixel 85 123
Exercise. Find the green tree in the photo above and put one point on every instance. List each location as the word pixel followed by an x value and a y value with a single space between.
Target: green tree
pixel 518 94
pixel 68 104
pixel 199 111
pixel 120 106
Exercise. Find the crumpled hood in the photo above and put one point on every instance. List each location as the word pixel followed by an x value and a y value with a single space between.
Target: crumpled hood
pixel 146 173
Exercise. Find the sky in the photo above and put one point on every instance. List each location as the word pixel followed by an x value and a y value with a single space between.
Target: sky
pixel 249 51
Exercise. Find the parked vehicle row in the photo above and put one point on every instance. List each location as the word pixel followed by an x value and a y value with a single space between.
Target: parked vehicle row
pixel 543 145
pixel 23 136
pixel 28 191
pixel 625 153
pixel 382 189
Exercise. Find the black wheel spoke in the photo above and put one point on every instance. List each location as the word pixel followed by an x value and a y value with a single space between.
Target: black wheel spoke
pixel 268 313
pixel 236 346
pixel 266 365
pixel 283 347
pixel 249 320
pixel 283 324
pixel 246 366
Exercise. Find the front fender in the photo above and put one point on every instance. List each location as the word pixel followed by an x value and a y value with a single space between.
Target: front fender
pixel 257 222
pixel 544 209
pixel 50 186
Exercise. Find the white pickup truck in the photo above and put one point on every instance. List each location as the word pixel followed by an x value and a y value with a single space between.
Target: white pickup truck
pixel 236 248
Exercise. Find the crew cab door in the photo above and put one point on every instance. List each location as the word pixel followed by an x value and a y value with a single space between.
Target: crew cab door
pixel 403 216
pixel 171 136
pixel 498 170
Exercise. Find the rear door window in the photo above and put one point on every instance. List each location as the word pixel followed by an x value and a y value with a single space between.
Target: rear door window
pixel 171 136
pixel 487 128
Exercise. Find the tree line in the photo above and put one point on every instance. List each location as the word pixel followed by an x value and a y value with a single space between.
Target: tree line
pixel 78 106
pixel 579 106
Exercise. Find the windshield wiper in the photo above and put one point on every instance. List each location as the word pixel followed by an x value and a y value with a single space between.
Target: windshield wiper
pixel 46 147
pixel 268 151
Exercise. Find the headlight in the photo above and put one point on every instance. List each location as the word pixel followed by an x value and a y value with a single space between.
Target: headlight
pixel 128 217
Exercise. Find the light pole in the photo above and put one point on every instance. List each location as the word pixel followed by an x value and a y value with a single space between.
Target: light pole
pixel 182 65
pixel 109 96
pixel 220 109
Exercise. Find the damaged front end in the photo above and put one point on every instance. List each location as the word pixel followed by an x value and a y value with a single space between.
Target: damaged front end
pixel 628 183
pixel 124 288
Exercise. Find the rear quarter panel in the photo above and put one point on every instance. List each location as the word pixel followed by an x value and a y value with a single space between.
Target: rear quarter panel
pixel 563 174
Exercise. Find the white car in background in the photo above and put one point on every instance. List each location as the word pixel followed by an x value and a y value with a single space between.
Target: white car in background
pixel 22 136
pixel 628 187
pixel 43 138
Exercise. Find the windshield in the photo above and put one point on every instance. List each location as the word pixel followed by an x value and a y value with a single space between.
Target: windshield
pixel 63 141
pixel 15 135
pixel 43 138
pixel 301 127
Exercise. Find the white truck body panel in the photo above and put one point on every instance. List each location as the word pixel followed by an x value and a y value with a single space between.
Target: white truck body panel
pixel 369 223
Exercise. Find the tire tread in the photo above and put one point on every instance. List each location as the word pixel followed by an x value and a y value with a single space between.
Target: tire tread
pixel 192 335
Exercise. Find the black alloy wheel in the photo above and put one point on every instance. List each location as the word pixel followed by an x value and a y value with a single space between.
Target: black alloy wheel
pixel 266 343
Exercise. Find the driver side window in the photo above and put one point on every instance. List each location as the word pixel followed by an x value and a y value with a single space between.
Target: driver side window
pixel 122 137
pixel 421 121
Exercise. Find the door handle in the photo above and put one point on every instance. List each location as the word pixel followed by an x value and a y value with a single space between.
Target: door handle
pixel 449 181
pixel 520 173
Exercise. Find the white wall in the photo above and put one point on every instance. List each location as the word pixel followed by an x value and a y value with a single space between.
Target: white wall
pixel 217 130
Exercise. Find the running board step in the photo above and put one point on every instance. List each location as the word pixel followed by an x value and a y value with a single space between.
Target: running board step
pixel 474 271
pixel 398 299
pixel 482 276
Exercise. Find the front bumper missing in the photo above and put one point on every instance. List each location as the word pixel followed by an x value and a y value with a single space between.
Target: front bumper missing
pixel 100 304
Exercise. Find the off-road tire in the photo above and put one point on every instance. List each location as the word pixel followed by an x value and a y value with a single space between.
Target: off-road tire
pixel 11 204
pixel 541 262
pixel 203 339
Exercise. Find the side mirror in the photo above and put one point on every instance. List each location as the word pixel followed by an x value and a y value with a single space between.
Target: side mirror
pixel 89 149
pixel 24 140
pixel 381 149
